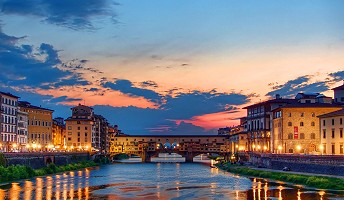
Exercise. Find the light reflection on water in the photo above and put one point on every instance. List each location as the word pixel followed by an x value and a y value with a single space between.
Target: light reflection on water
pixel 155 181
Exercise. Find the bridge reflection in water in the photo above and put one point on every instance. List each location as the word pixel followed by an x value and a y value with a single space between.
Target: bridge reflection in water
pixel 155 181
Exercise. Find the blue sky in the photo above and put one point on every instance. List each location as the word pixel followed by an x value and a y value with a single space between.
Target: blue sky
pixel 175 67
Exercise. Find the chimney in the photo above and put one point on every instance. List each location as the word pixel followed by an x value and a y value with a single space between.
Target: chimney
pixel 278 96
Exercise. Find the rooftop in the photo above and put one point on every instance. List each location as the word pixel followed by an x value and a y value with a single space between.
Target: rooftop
pixel 310 105
pixel 9 94
pixel 270 102
pixel 25 104
pixel 339 87
pixel 333 114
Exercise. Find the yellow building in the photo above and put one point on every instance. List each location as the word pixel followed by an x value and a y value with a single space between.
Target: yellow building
pixel 296 127
pixel 39 126
pixel 332 140
pixel 59 130
pixel 79 129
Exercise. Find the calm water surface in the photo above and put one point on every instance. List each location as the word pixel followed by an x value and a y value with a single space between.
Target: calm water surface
pixel 156 181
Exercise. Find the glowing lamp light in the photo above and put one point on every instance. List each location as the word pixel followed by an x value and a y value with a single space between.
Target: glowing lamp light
pixel 254 146
pixel 39 146
pixel 14 145
pixel 298 147
pixel 258 146
pixel 236 146
pixel 279 147
pixel 265 148
pixel 28 146
pixel 321 147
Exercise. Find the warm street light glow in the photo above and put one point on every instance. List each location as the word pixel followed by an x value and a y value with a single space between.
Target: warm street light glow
pixel 258 146
pixel 321 147
pixel 298 147
pixel 265 148
pixel 14 145
pixel 236 146
pixel 39 146
pixel 279 147
pixel 28 146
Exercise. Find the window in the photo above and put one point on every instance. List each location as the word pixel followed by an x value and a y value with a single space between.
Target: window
pixel 78 134
pixel 302 114
pixel 290 136
pixel 332 122
pixel 86 135
pixel 85 127
pixel 312 123
pixel 324 123
pixel 341 133
pixel 324 133
pixel 301 123
pixel 69 139
pixel 289 115
pixel 302 136
pixel 78 127
pixel 341 148
pixel 69 133
pixel 69 128
pixel 78 122
pixel 341 121
pixel 333 149
pixel 332 133
pixel 312 136
pixel 290 124
pixel 78 139
pixel 324 145
pixel 313 114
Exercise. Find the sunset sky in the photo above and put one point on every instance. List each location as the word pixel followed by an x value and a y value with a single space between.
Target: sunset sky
pixel 172 66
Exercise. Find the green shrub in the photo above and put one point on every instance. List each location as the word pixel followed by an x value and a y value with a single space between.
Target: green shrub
pixel 2 160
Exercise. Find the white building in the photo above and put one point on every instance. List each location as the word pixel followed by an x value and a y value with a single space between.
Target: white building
pixel 8 126
pixel 332 125
pixel 22 130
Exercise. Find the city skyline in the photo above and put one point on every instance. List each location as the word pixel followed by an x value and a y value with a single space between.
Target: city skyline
pixel 172 66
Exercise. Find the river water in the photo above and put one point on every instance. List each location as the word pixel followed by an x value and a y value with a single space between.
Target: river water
pixel 156 181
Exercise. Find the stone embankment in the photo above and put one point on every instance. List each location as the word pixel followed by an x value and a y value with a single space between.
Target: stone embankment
pixel 317 164
pixel 38 160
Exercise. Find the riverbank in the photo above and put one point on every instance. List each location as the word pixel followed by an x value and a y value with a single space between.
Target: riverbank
pixel 17 172
pixel 321 182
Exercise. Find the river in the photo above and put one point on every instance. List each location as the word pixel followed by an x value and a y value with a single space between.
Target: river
pixel 156 181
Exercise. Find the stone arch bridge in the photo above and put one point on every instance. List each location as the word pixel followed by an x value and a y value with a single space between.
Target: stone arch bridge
pixel 189 146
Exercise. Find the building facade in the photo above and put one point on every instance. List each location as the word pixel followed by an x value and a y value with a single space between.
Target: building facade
pixel 331 133
pixel 22 130
pixel 100 138
pixel 259 123
pixel 59 130
pixel 296 127
pixel 39 126
pixel 8 126
pixel 80 129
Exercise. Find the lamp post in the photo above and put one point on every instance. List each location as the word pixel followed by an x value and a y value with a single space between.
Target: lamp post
pixel 279 148
pixel 298 147
pixel 321 147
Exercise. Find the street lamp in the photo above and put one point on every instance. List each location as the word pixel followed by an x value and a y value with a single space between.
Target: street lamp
pixel 298 147
pixel 321 147
pixel 279 148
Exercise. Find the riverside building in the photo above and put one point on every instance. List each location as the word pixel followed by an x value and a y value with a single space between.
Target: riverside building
pixel 8 126
pixel 39 126
pixel 331 133
pixel 296 126
pixel 79 129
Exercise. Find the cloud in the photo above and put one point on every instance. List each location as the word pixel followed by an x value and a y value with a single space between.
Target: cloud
pixel 126 87
pixel 337 76
pixel 75 14
pixel 23 64
pixel 63 99
pixel 149 84
pixel 300 84
pixel 187 105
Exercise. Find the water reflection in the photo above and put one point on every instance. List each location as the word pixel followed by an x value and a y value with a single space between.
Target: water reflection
pixel 156 181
